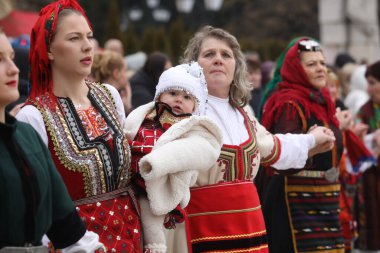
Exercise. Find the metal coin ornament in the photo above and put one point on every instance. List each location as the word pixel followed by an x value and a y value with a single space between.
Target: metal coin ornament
pixel 332 174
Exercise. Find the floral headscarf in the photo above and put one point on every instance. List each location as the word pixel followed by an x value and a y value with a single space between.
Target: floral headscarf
pixel 295 86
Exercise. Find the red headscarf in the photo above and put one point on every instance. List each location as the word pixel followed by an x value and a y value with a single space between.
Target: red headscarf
pixel 42 33
pixel 296 87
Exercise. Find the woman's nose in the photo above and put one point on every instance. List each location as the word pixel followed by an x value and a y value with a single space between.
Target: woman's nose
pixel 13 69
pixel 321 67
pixel 218 59
pixel 88 45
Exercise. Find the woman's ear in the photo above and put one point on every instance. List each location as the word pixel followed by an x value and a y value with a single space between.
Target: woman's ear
pixel 50 55
pixel 116 73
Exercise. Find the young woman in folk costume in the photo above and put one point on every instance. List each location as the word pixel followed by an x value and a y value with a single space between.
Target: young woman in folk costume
pixel 82 124
pixel 224 212
pixel 33 196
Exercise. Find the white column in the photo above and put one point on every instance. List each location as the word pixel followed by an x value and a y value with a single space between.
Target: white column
pixel 360 34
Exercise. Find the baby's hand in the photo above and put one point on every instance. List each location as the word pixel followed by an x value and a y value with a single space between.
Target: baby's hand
pixel 376 137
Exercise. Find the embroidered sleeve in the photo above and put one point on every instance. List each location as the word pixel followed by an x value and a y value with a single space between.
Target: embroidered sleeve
pixel 288 150
pixel 269 145
pixel 30 114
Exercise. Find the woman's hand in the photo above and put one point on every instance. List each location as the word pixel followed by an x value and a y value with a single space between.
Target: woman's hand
pixel 324 139
pixel 360 129
pixel 345 119
pixel 376 142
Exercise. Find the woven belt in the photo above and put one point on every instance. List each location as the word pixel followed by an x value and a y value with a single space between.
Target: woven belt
pixel 331 175
pixel 35 249
pixel 310 173
pixel 108 196
pixel 103 197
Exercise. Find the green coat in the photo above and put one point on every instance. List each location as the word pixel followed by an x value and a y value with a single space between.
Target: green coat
pixel 49 209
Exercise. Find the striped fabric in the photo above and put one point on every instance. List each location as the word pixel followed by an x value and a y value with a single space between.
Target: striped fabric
pixel 221 226
pixel 227 217
pixel 368 209
pixel 313 213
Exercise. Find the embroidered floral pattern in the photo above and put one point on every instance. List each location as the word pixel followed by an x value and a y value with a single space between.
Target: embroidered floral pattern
pixel 115 222
pixel 95 165
pixel 93 122
pixel 241 160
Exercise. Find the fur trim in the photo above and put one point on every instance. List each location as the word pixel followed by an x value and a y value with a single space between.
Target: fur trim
pixel 155 248
pixel 135 119
pixel 189 146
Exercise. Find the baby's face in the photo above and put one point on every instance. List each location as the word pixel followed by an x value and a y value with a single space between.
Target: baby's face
pixel 180 101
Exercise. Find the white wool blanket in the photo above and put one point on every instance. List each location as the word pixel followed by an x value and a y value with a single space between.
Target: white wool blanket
pixel 186 148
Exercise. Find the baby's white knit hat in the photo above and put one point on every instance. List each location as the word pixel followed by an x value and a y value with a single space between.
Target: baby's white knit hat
pixel 186 77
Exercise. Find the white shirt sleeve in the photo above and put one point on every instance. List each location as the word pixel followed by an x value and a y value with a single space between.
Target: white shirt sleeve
pixel 118 103
pixel 87 244
pixel 294 150
pixel 31 115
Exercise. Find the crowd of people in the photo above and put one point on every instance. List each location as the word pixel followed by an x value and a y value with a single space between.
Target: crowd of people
pixel 220 153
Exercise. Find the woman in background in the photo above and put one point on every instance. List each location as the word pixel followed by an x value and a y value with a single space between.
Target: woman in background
pixel 368 208
pixel 109 67
pixel 301 208
pixel 144 81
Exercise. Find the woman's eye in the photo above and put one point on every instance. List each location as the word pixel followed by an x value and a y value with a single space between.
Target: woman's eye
pixel 73 38
pixel 172 93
